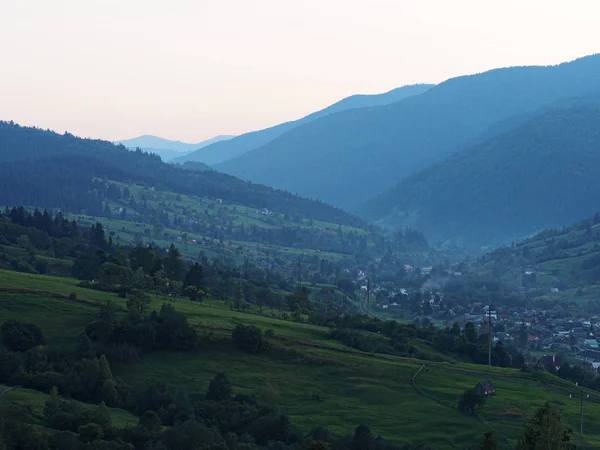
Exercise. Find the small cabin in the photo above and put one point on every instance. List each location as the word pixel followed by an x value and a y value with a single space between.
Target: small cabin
pixel 485 388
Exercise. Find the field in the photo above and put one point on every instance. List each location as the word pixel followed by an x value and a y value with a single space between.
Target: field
pixel 129 228
pixel 313 379
pixel 36 400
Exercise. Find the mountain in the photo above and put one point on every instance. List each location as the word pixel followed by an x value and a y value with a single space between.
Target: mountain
pixel 223 151
pixel 44 169
pixel 147 141
pixel 349 157
pixel 166 148
pixel 543 173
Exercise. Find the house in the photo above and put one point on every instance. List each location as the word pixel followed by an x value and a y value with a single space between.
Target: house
pixel 591 344
pixel 551 363
pixel 591 357
pixel 502 336
pixel 484 388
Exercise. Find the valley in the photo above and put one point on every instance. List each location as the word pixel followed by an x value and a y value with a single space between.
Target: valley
pixel 412 270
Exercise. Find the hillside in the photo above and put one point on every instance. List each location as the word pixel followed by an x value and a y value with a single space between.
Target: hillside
pixel 559 266
pixel 165 148
pixel 223 151
pixel 44 169
pixel 539 175
pixel 349 157
pixel 305 375
pixel 204 214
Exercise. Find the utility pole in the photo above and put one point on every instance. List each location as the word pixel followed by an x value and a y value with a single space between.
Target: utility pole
pixel 368 294
pixel 581 413
pixel 490 338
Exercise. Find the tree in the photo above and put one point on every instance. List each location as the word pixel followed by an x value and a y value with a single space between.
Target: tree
pixel 469 400
pixel 427 308
pixel 194 277
pixel 455 330
pixel 110 273
pixel 173 264
pixel 140 279
pixel 500 355
pixel 150 422
pixel 138 302
pixel 142 257
pixel 544 431
pixel 319 445
pixel 488 443
pixel 362 438
pixel 470 333
pixel 24 242
pixel 52 405
pixel 238 295
pixel 191 292
pixel 90 432
pixel 250 338
pixel 298 301
pixel 523 337
pixel 219 389
pixel 20 337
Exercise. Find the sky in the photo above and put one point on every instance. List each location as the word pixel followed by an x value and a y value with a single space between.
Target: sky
pixel 191 70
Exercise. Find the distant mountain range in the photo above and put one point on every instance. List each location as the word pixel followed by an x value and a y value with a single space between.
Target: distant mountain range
pixel 222 151
pixel 348 157
pixel 166 148
pixel 543 173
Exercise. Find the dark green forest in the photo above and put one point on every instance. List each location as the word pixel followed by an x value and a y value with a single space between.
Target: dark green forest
pixel 542 174
pixel 44 169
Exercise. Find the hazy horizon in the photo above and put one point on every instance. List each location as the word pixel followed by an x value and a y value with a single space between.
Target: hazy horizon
pixel 189 71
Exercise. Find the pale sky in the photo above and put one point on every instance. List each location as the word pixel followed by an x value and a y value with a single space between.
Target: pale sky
pixel 190 70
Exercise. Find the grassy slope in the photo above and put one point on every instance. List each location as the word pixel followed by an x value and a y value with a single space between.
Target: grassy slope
pixel 316 381
pixel 36 400
pixel 561 267
pixel 193 208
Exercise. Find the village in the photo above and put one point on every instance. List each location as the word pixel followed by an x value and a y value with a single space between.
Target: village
pixel 549 337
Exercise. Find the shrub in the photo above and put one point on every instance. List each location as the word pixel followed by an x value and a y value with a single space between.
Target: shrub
pixel 73 296
pixel 20 337
pixel 250 339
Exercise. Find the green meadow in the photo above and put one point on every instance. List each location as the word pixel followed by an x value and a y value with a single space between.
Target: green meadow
pixel 313 379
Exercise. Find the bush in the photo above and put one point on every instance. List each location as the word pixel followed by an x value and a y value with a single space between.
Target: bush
pixel 469 400
pixel 73 296
pixel 20 337
pixel 250 339
pixel 91 432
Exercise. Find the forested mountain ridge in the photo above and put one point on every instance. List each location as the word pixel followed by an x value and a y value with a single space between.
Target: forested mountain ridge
pixel 222 151
pixel 349 157
pixel 542 174
pixel 44 169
